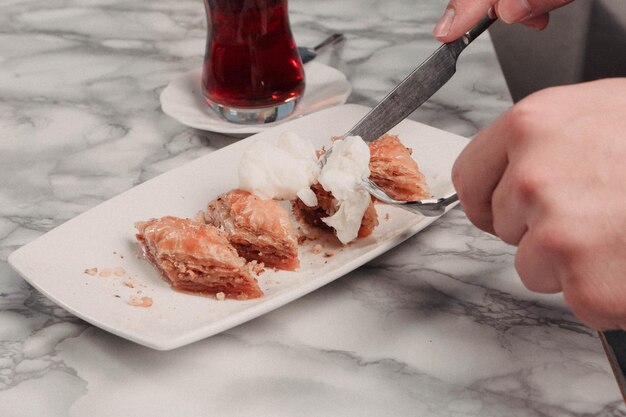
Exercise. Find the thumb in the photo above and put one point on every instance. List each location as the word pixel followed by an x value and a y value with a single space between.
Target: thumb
pixel 459 17
pixel 513 11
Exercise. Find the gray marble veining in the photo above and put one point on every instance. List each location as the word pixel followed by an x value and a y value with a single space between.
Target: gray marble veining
pixel 439 326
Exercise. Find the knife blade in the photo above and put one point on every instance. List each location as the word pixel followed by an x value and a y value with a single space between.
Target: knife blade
pixel 418 87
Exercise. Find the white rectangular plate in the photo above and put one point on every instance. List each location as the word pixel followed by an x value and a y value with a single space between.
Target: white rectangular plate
pixel 103 238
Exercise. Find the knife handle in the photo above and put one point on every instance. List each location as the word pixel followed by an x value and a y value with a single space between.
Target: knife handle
pixel 480 27
pixel 460 44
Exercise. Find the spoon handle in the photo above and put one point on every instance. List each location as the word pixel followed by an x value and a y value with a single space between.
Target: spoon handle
pixel 331 40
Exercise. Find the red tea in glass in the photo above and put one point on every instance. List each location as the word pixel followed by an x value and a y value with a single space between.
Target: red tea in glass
pixel 252 71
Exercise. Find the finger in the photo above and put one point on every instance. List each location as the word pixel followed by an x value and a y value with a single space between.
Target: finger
pixel 514 11
pixel 594 289
pixel 535 266
pixel 590 314
pixel 594 314
pixel 537 22
pixel 477 172
pixel 510 207
pixel 459 17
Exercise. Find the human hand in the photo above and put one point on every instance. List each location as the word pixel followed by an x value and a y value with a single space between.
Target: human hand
pixel 461 15
pixel 550 176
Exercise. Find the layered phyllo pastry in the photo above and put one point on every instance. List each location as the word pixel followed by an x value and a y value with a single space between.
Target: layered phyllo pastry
pixel 242 232
pixel 196 257
pixel 258 229
pixel 326 207
pixel 394 170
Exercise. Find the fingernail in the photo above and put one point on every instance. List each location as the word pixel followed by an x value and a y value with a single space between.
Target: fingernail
pixel 443 26
pixel 513 11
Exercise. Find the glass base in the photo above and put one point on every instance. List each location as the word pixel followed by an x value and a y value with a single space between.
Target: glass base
pixel 255 116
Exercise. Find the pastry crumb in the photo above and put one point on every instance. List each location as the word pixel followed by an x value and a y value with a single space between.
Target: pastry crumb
pixel 91 271
pixel 200 217
pixel 308 236
pixel 316 249
pixel 220 296
pixel 119 271
pixel 140 301
pixel 329 254
pixel 258 267
pixel 255 267
pixel 105 273
pixel 129 283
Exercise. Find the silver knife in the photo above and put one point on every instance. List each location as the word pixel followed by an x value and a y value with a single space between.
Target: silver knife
pixel 418 87
pixel 414 90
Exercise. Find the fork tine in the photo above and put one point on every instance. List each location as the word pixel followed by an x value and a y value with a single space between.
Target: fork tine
pixel 428 207
pixel 373 188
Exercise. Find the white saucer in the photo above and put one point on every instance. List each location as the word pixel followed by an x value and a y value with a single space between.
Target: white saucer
pixel 182 99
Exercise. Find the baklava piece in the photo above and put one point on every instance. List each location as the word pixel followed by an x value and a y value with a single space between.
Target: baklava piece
pixel 195 257
pixel 259 229
pixel 326 207
pixel 395 171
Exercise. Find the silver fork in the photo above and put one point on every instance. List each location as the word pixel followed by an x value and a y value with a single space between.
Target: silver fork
pixel 414 90
pixel 431 207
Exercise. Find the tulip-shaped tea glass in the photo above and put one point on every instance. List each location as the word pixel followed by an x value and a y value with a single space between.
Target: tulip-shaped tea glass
pixel 252 72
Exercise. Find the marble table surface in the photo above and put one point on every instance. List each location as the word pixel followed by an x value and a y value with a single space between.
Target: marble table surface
pixel 439 326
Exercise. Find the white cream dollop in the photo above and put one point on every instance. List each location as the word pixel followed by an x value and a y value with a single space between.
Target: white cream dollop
pixel 345 168
pixel 282 168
